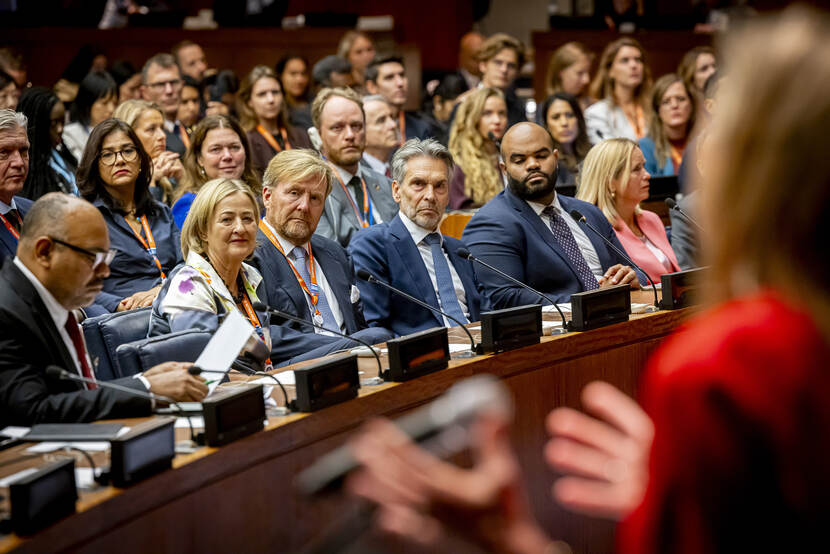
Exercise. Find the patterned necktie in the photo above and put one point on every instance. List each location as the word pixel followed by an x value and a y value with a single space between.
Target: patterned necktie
pixel 14 218
pixel 443 277
pixel 300 258
pixel 563 235
pixel 355 184
pixel 78 342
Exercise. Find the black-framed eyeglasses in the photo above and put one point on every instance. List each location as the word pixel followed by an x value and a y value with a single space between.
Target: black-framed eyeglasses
pixel 128 154
pixel 97 257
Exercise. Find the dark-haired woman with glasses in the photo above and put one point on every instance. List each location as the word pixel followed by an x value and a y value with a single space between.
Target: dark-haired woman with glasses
pixel 115 174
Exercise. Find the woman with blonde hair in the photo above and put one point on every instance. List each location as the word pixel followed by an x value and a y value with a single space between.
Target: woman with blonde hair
pixel 358 48
pixel 263 113
pixel 615 180
pixel 621 86
pixel 670 126
pixel 569 71
pixel 477 177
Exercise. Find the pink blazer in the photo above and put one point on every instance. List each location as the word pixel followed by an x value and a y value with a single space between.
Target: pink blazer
pixel 653 228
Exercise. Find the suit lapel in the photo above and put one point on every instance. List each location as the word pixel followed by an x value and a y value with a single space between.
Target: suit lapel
pixel 411 257
pixel 600 247
pixel 336 277
pixel 286 278
pixel 380 194
pixel 7 242
pixel 346 204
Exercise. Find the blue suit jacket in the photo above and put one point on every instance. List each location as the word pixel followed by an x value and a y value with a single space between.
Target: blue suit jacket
pixel 388 252
pixel 507 234
pixel 8 244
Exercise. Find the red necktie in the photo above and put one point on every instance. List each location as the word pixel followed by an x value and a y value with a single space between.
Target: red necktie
pixel 77 341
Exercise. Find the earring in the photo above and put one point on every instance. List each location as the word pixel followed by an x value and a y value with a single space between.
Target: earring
pixel 202 171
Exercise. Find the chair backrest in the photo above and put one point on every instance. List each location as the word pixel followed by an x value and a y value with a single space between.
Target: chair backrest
pixel 105 333
pixel 182 346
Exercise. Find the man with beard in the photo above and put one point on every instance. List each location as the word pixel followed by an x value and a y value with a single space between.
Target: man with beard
pixel 306 275
pixel 410 253
pixel 359 197
pixel 527 231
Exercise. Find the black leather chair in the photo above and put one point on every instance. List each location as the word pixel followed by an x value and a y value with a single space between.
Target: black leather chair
pixel 105 333
pixel 182 346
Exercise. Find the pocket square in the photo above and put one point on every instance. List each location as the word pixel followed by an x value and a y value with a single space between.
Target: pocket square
pixel 354 296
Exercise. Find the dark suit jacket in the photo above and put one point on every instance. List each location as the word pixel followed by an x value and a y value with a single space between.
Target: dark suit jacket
pixel 8 244
pixel 174 143
pixel 29 342
pixel 417 127
pixel 507 234
pixel 388 252
pixel 261 151
pixel 339 221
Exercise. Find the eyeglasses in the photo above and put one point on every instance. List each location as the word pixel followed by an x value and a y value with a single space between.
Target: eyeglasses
pixel 128 154
pixel 97 257
pixel 161 85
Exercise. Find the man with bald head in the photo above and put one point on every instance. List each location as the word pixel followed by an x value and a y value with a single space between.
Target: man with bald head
pixel 527 231
pixel 62 260
pixel 14 166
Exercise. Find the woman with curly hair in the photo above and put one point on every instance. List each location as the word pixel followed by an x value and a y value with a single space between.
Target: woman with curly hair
pixel 477 177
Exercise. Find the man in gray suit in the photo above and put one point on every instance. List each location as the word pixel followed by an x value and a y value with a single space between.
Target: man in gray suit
pixel 360 197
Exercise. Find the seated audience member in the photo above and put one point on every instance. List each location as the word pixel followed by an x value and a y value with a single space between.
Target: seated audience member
pixel 410 253
pixel 671 124
pixel 332 72
pixel 61 263
pixel 14 166
pixel 740 390
pixel 615 180
pixel 11 62
pixel 147 120
pixel 264 115
pixel 697 65
pixel 569 71
pixel 115 175
pixel 218 235
pixel 527 231
pixel 52 167
pixel 563 119
pixel 218 149
pixel 9 93
pixel 386 76
pixel 294 193
pixel 95 102
pixel 128 80
pixel 439 106
pixel 360 197
pixel 500 59
pixel 477 177
pixel 190 103
pixel 293 73
pixel 382 134
pixel 161 84
pixel 358 49
pixel 621 85
pixel 191 59
pixel 689 171
pixel 468 70
pixel 685 237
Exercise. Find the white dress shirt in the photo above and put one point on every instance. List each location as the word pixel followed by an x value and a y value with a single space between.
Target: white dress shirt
pixel 4 208
pixel 322 282
pixel 418 235
pixel 346 176
pixel 582 241
pixel 378 166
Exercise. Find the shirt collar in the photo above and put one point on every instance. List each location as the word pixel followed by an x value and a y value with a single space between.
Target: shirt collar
pixel 58 312
pixel 287 245
pixel 537 207
pixel 377 165
pixel 417 232
pixel 345 175
pixel 4 208
pixel 200 263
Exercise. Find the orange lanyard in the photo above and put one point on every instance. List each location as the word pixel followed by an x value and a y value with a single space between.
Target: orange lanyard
pixel 151 247
pixel 639 124
pixel 11 229
pixel 676 157
pixel 366 218
pixel 402 125
pixel 269 138
pixel 184 136
pixel 313 291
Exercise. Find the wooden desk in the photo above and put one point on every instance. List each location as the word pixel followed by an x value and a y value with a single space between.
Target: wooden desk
pixel 239 498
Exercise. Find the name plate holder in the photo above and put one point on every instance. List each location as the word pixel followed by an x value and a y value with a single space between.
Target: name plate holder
pixel 600 307
pixel 417 354
pixel 232 413
pixel 43 497
pixel 326 383
pixel 681 289
pixel 511 328
pixel 144 451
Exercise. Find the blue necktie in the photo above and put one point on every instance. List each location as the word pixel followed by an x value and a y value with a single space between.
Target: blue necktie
pixel 563 235
pixel 300 258
pixel 443 277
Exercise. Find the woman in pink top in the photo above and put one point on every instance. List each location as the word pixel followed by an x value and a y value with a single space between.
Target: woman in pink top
pixel 615 180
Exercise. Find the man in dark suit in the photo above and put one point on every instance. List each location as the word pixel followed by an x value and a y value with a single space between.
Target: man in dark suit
pixel 14 166
pixel 297 265
pixel 527 231
pixel 62 260
pixel 161 82
pixel 410 253
pixel 386 76
pixel 359 196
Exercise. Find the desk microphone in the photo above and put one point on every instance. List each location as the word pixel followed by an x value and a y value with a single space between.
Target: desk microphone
pixel 368 277
pixel 59 373
pixel 579 218
pixel 464 253
pixel 673 206
pixel 260 307
pixel 196 370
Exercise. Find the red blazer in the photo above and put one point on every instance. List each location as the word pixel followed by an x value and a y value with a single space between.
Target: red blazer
pixel 655 231
pixel 740 399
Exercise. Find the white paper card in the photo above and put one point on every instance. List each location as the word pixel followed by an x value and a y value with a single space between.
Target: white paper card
pixel 197 421
pixel 14 432
pixel 225 345
pixel 51 446
pixel 566 308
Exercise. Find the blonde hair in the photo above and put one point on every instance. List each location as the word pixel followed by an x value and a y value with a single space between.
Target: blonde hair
pixel 325 95
pixel 498 42
pixel 347 41
pixel 197 222
pixel 468 148
pixel 296 165
pixel 602 87
pixel 656 129
pixel 247 118
pixel 767 196
pixel 688 66
pixel 561 59
pixel 608 161
pixel 130 110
